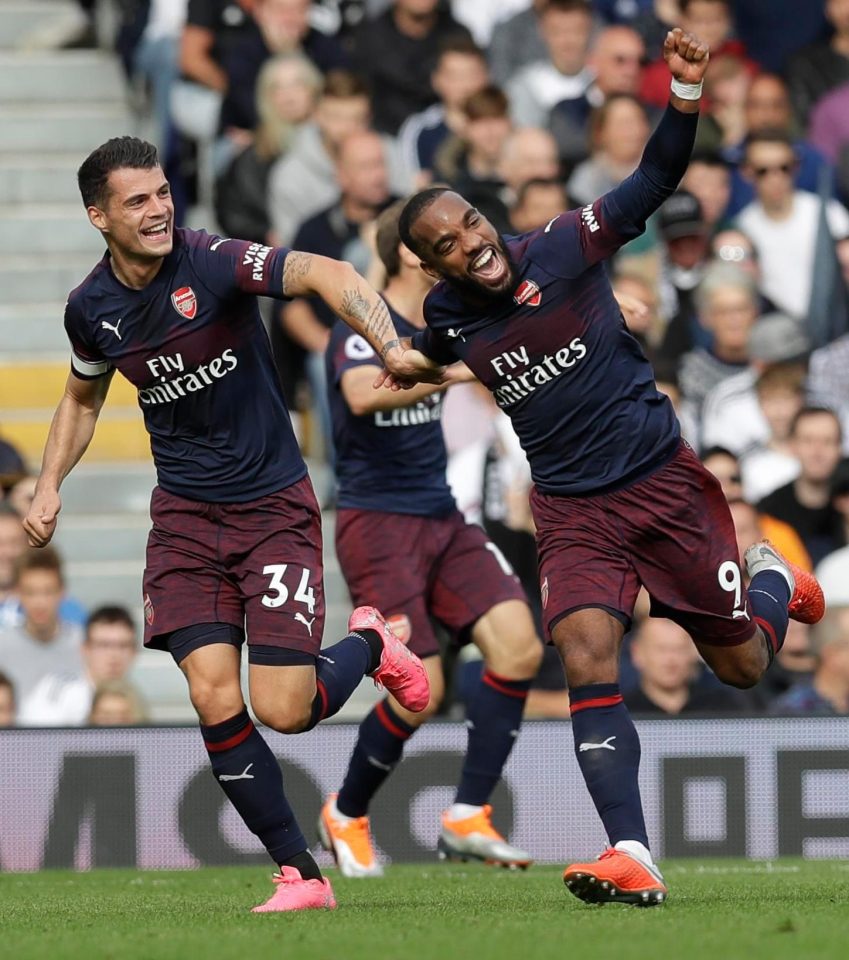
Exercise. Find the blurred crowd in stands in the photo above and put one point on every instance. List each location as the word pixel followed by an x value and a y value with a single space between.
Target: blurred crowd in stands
pixel 296 123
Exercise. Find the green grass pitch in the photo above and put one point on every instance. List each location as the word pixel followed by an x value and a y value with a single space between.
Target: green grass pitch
pixel 721 910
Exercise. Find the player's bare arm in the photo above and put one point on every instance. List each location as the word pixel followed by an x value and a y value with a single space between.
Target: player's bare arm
pixel 687 58
pixel 70 434
pixel 351 297
pixel 358 388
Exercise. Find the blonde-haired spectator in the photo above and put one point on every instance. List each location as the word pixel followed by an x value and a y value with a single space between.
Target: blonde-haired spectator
pixel 117 703
pixel 287 91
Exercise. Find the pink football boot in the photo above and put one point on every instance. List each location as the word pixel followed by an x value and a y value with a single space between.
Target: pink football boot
pixel 294 893
pixel 400 671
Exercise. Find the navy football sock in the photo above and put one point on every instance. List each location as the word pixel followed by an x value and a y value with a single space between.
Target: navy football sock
pixel 249 774
pixel 338 673
pixel 769 593
pixel 608 751
pixel 379 747
pixel 493 719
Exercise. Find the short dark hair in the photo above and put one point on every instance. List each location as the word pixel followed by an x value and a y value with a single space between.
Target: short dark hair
pixel 568 6
pixel 6 681
pixel 39 558
pixel 413 209
pixel 710 158
pixel 771 135
pixel 684 5
pixel 491 101
pixel 459 43
pixel 109 614
pixel 813 410
pixel 545 183
pixel 343 84
pixel 115 154
pixel 717 451
pixel 389 239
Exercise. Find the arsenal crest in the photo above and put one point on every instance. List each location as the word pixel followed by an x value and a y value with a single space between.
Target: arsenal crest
pixel 185 302
pixel 544 593
pixel 401 626
pixel 528 292
pixel 149 613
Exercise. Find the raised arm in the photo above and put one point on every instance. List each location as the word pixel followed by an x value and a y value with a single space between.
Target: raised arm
pixel 70 434
pixel 354 300
pixel 664 162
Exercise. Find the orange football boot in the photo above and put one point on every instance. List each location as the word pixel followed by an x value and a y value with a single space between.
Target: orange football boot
pixel 616 877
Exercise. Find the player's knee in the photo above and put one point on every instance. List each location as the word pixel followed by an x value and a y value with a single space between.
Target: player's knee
pixel 284 717
pixel 742 672
pixel 215 702
pixel 519 661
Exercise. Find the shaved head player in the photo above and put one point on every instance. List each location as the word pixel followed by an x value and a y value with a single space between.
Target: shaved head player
pixel 236 538
pixel 619 499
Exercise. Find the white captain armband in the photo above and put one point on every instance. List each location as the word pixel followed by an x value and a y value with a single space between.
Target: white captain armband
pixel 89 369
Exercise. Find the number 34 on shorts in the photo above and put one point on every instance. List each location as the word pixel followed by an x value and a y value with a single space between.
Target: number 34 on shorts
pixel 282 578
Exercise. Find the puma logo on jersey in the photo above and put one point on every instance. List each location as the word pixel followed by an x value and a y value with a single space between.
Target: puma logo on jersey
pixel 105 325
pixel 307 623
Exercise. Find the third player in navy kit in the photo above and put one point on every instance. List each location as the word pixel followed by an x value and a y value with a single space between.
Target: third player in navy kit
pixel 619 500
pixel 401 541
pixel 235 548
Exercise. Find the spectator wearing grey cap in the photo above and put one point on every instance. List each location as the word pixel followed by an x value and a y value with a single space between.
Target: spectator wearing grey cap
pixel 732 416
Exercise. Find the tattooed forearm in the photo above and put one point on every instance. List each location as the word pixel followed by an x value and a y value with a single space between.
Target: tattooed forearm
pixel 373 317
pixel 379 323
pixel 295 268
pixel 354 306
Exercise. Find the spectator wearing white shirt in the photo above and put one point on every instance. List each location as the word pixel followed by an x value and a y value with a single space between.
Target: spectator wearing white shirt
pixel 65 699
pixel 732 415
pixel 43 642
pixel 566 27
pixel 783 222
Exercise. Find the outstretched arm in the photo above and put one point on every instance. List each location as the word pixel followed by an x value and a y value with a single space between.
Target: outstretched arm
pixel 70 434
pixel 361 307
pixel 621 214
pixel 668 150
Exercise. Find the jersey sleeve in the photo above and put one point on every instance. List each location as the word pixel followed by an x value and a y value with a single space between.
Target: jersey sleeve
pixel 87 362
pixel 575 241
pixel 227 266
pixel 432 345
pixel 350 350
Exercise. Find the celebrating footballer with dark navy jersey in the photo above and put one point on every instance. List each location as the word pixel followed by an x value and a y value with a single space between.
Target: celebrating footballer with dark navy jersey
pixel 235 546
pixel 402 542
pixel 619 501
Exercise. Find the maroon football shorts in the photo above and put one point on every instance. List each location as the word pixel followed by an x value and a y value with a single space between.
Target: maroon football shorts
pixel 412 568
pixel 671 533
pixel 255 565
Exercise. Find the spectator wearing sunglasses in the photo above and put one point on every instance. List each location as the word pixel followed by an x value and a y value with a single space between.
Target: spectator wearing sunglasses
pixel 783 222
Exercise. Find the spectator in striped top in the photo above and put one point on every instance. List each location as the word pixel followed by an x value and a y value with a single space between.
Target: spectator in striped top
pixel 461 71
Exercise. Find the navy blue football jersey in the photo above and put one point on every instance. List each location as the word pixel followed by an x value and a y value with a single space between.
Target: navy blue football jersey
pixel 194 346
pixel 391 460
pixel 556 354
